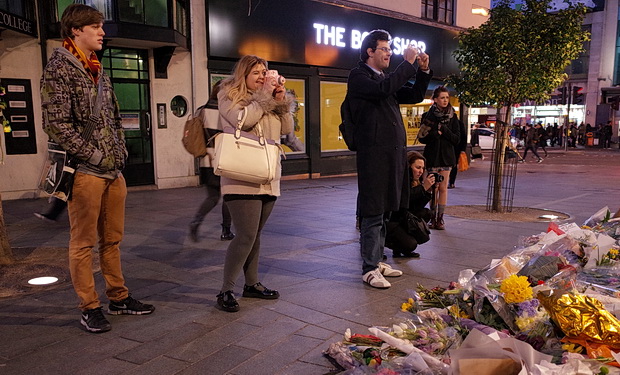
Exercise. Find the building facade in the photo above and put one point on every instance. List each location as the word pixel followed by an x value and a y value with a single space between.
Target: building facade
pixel 592 90
pixel 164 55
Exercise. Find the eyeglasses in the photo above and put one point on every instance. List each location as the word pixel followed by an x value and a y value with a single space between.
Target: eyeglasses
pixel 384 49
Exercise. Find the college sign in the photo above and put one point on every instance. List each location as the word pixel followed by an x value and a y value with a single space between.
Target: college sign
pixel 13 22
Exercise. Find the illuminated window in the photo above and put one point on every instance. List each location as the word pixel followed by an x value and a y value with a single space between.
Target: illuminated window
pixel 296 141
pixel 332 96
pixel 438 10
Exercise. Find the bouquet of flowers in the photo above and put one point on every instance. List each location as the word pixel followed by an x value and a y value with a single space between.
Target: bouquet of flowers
pixel 433 336
pixel 458 302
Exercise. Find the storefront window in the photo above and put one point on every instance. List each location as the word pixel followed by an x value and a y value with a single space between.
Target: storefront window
pixel 296 142
pixel 332 96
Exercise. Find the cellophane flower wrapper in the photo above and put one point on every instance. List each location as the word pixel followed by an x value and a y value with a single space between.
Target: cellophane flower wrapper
pixel 598 216
pixel 541 268
pixel 565 279
pixel 430 333
pixel 603 253
pixel 604 280
pixel 499 269
pixel 405 346
pixel 490 308
pixel 581 317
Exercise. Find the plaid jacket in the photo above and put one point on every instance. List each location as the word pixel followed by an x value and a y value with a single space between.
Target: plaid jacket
pixel 68 96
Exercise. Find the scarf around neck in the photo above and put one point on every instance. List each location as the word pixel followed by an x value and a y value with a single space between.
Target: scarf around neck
pixel 444 116
pixel 91 64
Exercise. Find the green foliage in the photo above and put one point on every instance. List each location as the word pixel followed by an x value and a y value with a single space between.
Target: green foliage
pixel 518 54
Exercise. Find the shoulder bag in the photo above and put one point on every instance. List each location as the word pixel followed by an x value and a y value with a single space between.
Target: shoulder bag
pixel 417 228
pixel 244 156
pixel 59 168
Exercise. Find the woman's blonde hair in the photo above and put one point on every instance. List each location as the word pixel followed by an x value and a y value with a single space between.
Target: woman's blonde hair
pixel 235 84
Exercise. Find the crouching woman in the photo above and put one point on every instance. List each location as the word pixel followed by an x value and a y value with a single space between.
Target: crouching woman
pixel 398 237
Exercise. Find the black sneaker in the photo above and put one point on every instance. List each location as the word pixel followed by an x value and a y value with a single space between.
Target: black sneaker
pixel 44 217
pixel 258 290
pixel 130 306
pixel 94 321
pixel 227 302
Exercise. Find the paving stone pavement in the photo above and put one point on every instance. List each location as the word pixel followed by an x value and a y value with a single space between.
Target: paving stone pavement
pixel 309 252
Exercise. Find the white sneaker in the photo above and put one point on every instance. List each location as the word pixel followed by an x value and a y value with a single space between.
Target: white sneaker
pixel 375 279
pixel 387 270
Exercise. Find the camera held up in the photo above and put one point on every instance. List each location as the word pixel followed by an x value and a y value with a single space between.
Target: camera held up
pixel 438 178
pixel 275 78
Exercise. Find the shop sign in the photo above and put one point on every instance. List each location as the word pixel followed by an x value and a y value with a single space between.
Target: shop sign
pixel 311 33
pixel 16 23
pixel 335 36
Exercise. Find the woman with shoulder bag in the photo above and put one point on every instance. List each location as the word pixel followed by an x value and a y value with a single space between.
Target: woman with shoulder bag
pixel 398 237
pixel 443 137
pixel 265 101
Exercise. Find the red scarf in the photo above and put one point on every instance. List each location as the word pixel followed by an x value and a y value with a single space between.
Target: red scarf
pixel 91 64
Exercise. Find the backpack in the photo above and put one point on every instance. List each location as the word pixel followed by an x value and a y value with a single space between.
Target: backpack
pixel 347 127
pixel 194 135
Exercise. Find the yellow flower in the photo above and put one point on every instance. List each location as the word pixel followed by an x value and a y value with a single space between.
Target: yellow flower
pixel 516 289
pixel 407 306
pixel 573 348
pixel 455 311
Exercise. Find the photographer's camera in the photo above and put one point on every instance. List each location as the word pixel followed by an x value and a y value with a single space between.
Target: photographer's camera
pixel 438 178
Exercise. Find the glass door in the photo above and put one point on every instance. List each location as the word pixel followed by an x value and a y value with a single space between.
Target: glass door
pixel 128 69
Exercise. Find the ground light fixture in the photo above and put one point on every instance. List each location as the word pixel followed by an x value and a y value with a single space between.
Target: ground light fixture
pixel 548 217
pixel 44 280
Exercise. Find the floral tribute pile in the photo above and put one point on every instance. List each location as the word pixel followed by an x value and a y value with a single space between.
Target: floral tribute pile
pixel 549 307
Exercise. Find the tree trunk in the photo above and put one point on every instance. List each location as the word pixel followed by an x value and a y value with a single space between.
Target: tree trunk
pixel 6 253
pixel 501 139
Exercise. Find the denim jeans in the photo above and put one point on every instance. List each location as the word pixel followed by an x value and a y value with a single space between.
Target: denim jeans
pixel 372 240
pixel 97 214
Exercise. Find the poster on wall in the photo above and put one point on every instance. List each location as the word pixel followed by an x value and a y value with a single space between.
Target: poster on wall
pixel 17 116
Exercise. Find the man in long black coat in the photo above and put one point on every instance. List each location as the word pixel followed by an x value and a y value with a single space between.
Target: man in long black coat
pixel 381 142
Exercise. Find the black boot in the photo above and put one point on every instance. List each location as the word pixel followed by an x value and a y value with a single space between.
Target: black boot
pixel 227 235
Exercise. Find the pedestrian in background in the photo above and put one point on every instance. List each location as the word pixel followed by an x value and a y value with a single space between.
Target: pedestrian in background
pixel 542 137
pixel 442 139
pixel 607 133
pixel 531 142
pixel 97 205
pixel 458 150
pixel 251 204
pixel 210 119
pixel 374 96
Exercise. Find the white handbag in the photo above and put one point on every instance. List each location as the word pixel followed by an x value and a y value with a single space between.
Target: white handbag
pixel 244 156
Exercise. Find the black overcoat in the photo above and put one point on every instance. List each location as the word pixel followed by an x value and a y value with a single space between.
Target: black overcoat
pixel 380 135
